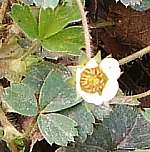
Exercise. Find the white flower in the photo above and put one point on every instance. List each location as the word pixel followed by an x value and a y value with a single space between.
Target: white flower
pixel 98 84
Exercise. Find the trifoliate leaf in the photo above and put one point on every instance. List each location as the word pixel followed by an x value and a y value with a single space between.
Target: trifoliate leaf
pixel 123 129
pixel 52 21
pixel 69 40
pixel 57 128
pixel 46 3
pixel 56 94
pixel 21 99
pixel 83 117
pixel 23 17
pixel 49 81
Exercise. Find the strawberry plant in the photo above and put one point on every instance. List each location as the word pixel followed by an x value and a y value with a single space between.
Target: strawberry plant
pixel 61 90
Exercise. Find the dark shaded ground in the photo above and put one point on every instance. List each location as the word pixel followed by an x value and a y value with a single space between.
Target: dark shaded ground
pixel 129 32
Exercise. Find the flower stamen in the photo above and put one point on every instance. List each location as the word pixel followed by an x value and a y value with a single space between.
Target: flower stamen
pixel 93 80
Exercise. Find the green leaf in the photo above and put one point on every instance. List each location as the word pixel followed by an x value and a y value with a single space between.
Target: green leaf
pixel 21 99
pixel 57 128
pixel 49 82
pixel 19 142
pixel 83 117
pixel 146 114
pixel 36 75
pixel 56 94
pixel 46 3
pixel 69 40
pixel 144 5
pixel 124 129
pixel 52 21
pixel 22 15
pixel 100 112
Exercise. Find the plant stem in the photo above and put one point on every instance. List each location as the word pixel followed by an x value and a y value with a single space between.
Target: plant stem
pixel 30 50
pixel 32 125
pixel 135 55
pixel 141 95
pixel 85 28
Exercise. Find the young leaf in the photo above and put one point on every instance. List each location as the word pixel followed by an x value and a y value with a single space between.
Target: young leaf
pixel 52 21
pixel 22 15
pixel 21 99
pixel 124 129
pixel 56 94
pixel 57 128
pixel 69 40
pixel 46 3
pixel 83 117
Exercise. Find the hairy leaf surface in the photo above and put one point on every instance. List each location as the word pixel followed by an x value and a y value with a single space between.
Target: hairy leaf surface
pixel 22 15
pixel 57 128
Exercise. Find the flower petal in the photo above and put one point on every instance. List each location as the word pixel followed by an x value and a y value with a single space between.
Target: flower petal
pixel 91 63
pixel 110 90
pixel 94 98
pixel 110 67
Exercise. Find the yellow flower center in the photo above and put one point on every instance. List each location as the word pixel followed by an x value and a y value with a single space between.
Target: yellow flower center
pixel 93 80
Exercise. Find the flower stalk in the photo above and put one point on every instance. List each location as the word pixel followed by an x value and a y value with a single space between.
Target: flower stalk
pixel 86 29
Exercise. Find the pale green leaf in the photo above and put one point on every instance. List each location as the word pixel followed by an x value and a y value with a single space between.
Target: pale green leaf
pixel 69 40
pixel 36 75
pixel 49 82
pixel 23 17
pixel 81 114
pixel 21 99
pixel 46 3
pixel 57 128
pixel 52 21
pixel 56 94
